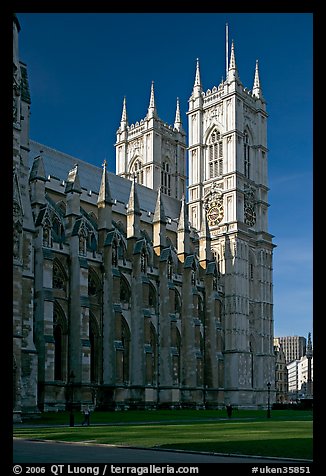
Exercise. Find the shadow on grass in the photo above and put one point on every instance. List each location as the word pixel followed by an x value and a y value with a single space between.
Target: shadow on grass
pixel 296 448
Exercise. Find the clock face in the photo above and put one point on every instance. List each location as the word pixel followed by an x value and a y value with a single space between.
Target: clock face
pixel 250 216
pixel 215 213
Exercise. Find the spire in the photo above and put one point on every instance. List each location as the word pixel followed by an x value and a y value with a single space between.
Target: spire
pixel 183 218
pixel 232 57
pixel 133 203
pixel 124 117
pixel 159 213
pixel 256 91
pixel 133 213
pixel 197 78
pixel 159 225
pixel 197 90
pixel 177 120
pixel 104 196
pixel 152 108
pixel 104 205
pixel 233 70
pixel 73 183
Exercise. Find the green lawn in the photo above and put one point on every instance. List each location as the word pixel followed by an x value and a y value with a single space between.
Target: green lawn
pixel 285 434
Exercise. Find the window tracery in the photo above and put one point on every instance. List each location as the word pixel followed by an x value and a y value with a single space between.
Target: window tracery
pixel 137 171
pixel 166 178
pixel 246 154
pixel 215 155
pixel 58 277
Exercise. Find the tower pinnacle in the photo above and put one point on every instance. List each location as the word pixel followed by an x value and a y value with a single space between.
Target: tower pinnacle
pixel 124 117
pixel 152 107
pixel 233 70
pixel 256 91
pixel 104 196
pixel 197 89
pixel 177 120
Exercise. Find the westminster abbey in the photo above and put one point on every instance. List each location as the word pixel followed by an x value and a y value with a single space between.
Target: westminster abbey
pixel 147 288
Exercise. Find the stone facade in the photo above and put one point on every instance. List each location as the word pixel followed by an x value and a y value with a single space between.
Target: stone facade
pixel 125 294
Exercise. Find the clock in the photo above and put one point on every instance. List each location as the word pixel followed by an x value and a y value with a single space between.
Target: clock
pixel 215 213
pixel 250 216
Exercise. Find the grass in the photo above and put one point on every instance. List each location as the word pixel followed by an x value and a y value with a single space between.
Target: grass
pixel 285 434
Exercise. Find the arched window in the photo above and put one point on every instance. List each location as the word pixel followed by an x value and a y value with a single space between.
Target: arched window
pixel 82 241
pixel 137 171
pixel 94 283
pixel 166 178
pixel 59 277
pixel 94 348
pixel 47 239
pixel 58 233
pixel 125 340
pixel 60 331
pixel 215 155
pixel 92 243
pixel 152 301
pixel 125 293
pixel 246 155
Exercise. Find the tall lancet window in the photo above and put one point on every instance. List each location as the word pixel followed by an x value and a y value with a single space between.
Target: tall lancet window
pixel 166 178
pixel 246 155
pixel 137 171
pixel 215 155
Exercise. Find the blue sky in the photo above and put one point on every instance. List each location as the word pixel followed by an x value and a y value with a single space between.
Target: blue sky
pixel 81 65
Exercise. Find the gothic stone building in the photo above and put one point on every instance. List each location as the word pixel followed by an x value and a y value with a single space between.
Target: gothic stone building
pixel 127 294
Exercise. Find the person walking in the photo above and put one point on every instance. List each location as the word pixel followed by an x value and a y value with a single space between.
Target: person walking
pixel 229 410
pixel 87 415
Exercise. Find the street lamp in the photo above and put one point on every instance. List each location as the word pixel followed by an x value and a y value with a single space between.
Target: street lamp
pixel 71 383
pixel 268 400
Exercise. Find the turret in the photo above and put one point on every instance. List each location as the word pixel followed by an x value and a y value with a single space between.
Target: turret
pixel 152 112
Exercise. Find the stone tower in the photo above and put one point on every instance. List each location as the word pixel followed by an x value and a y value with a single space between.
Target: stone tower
pixel 153 151
pixel 228 182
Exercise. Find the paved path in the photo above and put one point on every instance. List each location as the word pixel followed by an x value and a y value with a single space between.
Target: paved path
pixel 28 451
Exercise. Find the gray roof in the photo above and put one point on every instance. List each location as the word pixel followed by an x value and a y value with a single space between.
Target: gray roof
pixel 58 164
